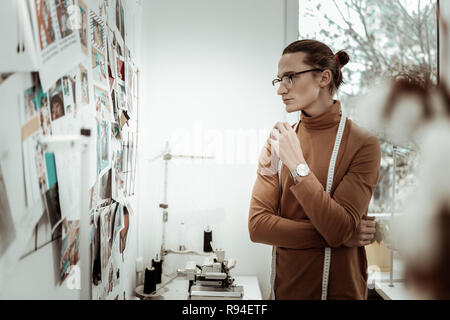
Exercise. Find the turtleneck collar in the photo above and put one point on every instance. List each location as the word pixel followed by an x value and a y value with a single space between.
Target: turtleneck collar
pixel 325 120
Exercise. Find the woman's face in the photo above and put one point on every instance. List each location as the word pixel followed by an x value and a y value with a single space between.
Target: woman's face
pixel 305 87
pixel 56 110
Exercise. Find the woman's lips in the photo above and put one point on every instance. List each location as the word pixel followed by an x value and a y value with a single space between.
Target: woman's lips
pixel 286 100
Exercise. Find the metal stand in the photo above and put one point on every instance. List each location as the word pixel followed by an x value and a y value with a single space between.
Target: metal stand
pixel 167 156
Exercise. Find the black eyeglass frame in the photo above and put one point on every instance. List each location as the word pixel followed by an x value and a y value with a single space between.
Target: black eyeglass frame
pixel 293 75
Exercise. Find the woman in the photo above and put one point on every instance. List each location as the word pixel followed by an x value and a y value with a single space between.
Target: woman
pixel 319 236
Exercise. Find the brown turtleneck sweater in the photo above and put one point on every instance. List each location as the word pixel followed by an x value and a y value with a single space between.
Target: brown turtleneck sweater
pixel 311 218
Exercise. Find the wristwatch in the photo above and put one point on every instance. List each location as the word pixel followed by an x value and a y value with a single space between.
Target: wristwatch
pixel 302 170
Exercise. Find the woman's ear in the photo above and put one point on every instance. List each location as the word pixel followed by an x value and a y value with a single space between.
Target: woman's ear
pixel 325 79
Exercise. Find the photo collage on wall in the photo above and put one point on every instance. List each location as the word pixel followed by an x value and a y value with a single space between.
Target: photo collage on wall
pixel 115 89
pixel 97 91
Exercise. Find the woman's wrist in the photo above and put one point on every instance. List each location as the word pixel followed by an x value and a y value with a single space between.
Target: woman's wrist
pixel 296 163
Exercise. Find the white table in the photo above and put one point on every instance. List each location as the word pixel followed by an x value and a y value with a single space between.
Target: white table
pixel 177 289
pixel 381 283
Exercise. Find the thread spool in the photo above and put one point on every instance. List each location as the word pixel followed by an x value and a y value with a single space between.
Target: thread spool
pixel 150 280
pixel 157 264
pixel 207 238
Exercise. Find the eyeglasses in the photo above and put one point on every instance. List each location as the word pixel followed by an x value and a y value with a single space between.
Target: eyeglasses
pixel 287 79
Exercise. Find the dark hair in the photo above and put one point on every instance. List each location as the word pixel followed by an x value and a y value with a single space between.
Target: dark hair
pixel 319 55
pixel 56 99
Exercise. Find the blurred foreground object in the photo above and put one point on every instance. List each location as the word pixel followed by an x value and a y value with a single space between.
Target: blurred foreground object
pixel 413 113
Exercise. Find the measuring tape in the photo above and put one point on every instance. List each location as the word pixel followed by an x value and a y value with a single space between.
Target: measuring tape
pixel 327 253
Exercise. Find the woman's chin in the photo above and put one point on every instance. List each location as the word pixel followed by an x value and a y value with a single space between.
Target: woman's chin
pixel 292 108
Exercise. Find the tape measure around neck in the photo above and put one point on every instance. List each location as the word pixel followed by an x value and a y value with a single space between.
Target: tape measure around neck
pixel 330 177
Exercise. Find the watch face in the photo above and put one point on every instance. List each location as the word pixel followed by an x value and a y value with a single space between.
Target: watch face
pixel 302 170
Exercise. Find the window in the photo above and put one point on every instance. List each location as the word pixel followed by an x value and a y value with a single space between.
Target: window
pixel 383 38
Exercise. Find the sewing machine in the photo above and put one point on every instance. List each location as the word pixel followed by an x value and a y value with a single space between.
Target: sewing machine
pixel 212 279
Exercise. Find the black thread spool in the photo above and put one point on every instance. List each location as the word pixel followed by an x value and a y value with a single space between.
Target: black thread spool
pixel 207 238
pixel 157 264
pixel 150 280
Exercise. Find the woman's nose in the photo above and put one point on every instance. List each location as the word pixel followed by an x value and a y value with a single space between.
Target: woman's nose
pixel 282 89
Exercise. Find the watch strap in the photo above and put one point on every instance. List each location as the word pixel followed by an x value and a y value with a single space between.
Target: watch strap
pixel 294 175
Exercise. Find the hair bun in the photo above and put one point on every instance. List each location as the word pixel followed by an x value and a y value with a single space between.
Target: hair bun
pixel 343 57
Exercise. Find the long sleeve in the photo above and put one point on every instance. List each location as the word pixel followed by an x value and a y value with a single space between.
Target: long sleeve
pixel 268 228
pixel 337 217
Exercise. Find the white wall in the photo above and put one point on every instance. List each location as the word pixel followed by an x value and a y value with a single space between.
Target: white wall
pixel 206 74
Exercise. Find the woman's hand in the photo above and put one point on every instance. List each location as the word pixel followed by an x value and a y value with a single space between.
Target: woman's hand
pixel 268 160
pixel 364 234
pixel 286 145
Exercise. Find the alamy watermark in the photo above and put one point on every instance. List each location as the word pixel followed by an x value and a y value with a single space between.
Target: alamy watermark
pixel 231 146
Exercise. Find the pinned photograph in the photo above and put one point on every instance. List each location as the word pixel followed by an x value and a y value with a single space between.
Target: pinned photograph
pixel 64 18
pixel 103 144
pixel 111 77
pixel 52 196
pixel 124 117
pixel 117 222
pixel 120 69
pixel 41 98
pixel 30 104
pixel 35 99
pixel 99 66
pixel 83 26
pixel 56 101
pixel 54 210
pixel 124 231
pixel 102 105
pixel 70 250
pixel 120 16
pixel 115 105
pixel 105 236
pixel 92 197
pixel 112 53
pixel 41 167
pixel 104 191
pixel 69 89
pixel 44 23
pixel 84 85
pixel 44 117
pixel 117 165
pixel 97 32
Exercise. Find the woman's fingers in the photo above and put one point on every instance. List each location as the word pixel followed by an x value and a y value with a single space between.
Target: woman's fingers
pixel 274 134
pixel 368 223
pixel 366 236
pixel 275 147
pixel 368 230
pixel 280 126
pixel 287 126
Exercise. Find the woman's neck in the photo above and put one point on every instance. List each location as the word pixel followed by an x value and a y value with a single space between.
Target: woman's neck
pixel 318 107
